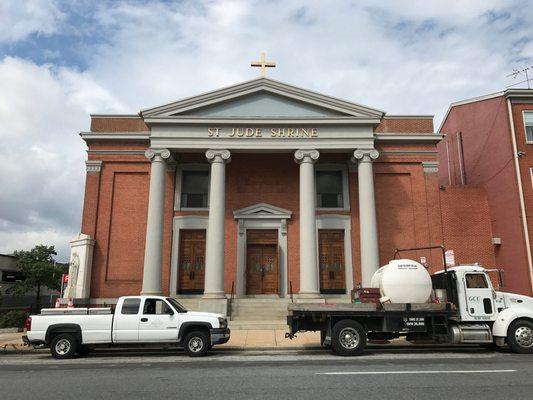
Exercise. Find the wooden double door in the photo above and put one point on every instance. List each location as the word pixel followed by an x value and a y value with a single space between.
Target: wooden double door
pixel 331 261
pixel 262 266
pixel 191 268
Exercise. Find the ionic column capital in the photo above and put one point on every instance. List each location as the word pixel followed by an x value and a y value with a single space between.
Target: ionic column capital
pixel 365 155
pixel 306 156
pixel 218 156
pixel 158 155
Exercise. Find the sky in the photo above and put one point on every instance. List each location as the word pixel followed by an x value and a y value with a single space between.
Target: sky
pixel 62 60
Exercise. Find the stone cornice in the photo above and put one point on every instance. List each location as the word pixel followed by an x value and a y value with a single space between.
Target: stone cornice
pixel 125 136
pixel 261 121
pixel 430 167
pixel 408 137
pixel 93 165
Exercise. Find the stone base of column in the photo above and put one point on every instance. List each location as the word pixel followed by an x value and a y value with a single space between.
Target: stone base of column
pixel 219 306
pixel 151 293
pixel 308 295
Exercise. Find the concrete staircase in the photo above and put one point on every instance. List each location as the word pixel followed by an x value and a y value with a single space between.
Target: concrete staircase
pixel 254 313
pixel 259 313
pixel 190 303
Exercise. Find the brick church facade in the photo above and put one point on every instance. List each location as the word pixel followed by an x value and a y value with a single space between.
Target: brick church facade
pixel 264 189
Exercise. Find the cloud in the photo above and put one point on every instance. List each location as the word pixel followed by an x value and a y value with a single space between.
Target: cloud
pixel 42 163
pixel 20 19
pixel 61 61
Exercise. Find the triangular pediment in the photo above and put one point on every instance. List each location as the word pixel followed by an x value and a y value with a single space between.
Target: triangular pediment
pixel 263 104
pixel 262 98
pixel 262 211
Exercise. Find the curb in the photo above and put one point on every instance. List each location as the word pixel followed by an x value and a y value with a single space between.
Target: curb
pixel 10 330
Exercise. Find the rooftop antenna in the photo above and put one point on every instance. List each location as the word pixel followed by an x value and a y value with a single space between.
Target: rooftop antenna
pixel 516 73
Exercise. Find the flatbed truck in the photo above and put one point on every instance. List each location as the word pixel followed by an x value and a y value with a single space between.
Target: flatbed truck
pixel 472 311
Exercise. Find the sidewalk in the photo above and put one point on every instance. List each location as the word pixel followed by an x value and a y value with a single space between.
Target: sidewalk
pixel 240 340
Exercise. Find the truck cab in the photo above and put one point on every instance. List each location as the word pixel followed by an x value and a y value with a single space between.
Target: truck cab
pixel 485 314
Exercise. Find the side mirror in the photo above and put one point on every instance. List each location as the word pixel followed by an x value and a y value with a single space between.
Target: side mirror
pixel 170 311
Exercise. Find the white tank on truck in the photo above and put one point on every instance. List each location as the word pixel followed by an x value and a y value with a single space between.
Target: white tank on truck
pixel 403 281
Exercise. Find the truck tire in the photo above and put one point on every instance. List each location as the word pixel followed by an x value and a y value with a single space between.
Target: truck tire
pixel 520 336
pixel 196 343
pixel 348 338
pixel 63 346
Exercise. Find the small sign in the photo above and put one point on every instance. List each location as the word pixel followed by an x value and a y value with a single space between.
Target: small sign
pixel 449 255
pixel 414 324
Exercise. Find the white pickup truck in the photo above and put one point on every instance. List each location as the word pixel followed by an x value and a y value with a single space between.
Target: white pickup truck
pixel 136 320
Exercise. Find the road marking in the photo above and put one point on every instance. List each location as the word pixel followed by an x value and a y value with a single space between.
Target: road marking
pixel 478 371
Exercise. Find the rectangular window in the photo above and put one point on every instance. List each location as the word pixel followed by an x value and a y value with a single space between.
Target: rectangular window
pixel 476 281
pixel 528 122
pixel 156 306
pixel 329 189
pixel 194 189
pixel 131 306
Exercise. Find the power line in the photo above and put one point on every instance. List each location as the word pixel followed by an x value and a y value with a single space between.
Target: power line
pixel 518 72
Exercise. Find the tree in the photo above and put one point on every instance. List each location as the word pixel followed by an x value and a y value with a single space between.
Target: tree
pixel 40 270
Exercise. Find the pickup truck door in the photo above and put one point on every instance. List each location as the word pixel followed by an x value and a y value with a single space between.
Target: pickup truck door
pixel 126 321
pixel 479 296
pixel 158 322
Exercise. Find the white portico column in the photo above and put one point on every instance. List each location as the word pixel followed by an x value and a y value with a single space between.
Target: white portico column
pixel 153 253
pixel 367 215
pixel 309 286
pixel 214 255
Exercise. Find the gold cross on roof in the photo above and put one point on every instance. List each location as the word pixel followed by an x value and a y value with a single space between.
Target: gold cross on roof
pixel 264 64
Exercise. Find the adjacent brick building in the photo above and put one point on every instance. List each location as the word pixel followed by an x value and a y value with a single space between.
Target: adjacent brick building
pixel 487 144
pixel 263 188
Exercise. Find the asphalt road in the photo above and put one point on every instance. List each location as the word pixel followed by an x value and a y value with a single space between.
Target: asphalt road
pixel 385 373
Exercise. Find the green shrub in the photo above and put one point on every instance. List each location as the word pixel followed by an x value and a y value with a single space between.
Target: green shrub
pixel 13 319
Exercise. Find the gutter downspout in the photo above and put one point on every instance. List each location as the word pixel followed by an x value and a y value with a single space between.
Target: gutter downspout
pixel 520 193
pixel 448 162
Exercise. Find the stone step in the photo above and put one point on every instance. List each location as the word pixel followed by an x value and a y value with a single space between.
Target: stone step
pixel 260 301
pixel 247 324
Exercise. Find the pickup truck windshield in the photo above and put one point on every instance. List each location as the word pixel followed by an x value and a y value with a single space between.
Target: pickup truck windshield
pixel 179 308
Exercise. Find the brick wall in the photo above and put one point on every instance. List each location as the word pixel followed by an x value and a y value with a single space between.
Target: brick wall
pixel 405 125
pixel 466 226
pixel 117 124
pixel 488 162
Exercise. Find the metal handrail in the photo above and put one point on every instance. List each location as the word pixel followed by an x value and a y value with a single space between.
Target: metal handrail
pixel 232 296
pixel 290 291
pixel 397 251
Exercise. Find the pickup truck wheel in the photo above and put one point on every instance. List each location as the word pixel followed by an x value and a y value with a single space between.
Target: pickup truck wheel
pixel 63 346
pixel 196 344
pixel 520 336
pixel 348 338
